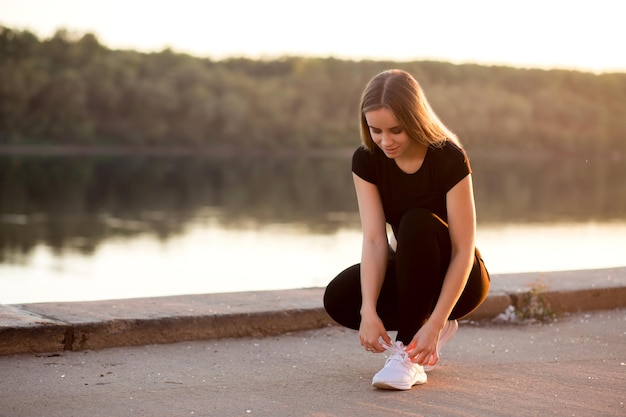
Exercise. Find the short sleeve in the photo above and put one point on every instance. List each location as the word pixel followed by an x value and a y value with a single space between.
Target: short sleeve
pixel 458 166
pixel 363 165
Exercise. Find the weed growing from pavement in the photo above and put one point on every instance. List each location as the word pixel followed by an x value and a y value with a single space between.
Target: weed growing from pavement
pixel 534 305
pixel 530 307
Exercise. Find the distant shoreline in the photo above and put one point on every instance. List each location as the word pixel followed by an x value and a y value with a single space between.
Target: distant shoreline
pixel 103 150
pixel 230 151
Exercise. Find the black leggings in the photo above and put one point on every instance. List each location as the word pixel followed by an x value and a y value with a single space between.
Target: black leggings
pixel 413 280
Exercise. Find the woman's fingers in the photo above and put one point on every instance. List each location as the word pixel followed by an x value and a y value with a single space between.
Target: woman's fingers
pixel 375 345
pixel 422 355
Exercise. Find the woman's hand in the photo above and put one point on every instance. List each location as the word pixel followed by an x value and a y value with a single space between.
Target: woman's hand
pixel 423 349
pixel 371 331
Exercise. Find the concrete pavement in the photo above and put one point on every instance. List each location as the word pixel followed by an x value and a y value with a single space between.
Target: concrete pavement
pixel 573 366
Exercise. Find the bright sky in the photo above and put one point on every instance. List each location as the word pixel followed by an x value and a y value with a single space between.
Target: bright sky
pixel 576 34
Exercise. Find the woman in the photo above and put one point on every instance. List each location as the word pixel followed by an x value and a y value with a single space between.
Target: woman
pixel 412 174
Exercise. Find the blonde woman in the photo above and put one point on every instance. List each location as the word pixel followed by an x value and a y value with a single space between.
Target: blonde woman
pixel 412 174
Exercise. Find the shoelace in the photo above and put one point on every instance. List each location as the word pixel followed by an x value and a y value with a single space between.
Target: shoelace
pixel 397 351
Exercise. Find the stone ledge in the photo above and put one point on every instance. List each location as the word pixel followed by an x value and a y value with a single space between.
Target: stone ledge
pixel 49 327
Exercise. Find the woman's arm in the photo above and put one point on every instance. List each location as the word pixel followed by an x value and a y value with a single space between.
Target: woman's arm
pixel 374 254
pixel 462 229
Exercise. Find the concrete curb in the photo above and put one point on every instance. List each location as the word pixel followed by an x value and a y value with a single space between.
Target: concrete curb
pixel 50 327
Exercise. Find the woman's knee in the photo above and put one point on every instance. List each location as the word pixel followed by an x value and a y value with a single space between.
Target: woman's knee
pixel 420 229
pixel 342 297
pixel 419 220
pixel 475 292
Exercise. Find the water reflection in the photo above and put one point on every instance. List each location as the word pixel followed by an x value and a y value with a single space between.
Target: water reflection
pixel 549 189
pixel 78 202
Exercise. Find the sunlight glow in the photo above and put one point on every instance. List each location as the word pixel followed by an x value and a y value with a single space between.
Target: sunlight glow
pixel 576 34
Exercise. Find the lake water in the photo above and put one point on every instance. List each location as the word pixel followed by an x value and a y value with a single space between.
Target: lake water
pixel 87 228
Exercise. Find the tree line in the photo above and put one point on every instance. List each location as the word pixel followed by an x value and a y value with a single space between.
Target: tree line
pixel 70 89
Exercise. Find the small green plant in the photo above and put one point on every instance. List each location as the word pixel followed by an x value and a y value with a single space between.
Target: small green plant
pixel 534 305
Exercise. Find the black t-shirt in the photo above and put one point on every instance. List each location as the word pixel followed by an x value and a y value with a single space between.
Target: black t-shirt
pixel 441 170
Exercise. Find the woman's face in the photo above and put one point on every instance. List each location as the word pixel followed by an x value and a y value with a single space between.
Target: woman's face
pixel 387 133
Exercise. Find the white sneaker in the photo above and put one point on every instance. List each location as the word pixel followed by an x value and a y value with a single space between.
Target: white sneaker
pixel 399 372
pixel 448 331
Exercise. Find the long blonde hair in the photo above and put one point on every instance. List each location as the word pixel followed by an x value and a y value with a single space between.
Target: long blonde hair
pixel 399 92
